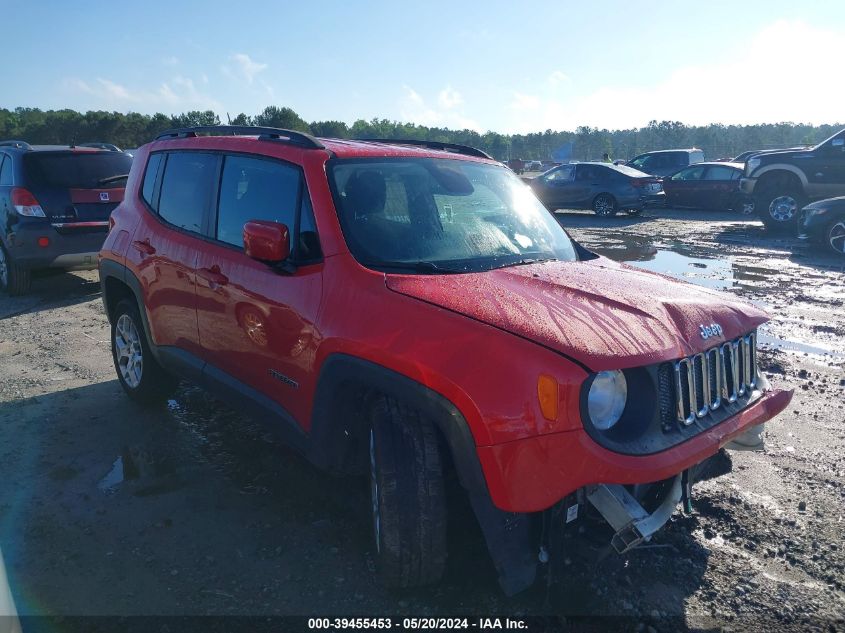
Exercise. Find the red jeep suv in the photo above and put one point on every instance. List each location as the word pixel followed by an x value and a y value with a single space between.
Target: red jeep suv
pixel 410 310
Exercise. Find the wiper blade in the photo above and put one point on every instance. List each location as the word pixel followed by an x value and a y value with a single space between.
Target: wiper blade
pixel 417 267
pixel 525 261
pixel 104 181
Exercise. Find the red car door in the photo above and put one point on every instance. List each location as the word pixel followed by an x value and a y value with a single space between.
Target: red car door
pixel 178 187
pixel 683 188
pixel 256 323
pixel 719 187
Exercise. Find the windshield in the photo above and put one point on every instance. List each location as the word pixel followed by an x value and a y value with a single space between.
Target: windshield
pixel 76 170
pixel 440 215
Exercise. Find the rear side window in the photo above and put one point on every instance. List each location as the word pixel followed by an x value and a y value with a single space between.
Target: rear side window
pixel 256 189
pixel 75 170
pixel 148 189
pixel 5 170
pixel 186 189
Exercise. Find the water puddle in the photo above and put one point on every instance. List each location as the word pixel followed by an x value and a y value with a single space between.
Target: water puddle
pixel 114 477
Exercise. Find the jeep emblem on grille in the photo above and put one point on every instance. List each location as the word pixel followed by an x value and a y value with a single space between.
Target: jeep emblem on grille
pixel 714 329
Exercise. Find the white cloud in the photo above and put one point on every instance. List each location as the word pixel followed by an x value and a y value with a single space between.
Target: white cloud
pixel 449 98
pixel 784 73
pixel 414 109
pixel 178 93
pixel 242 66
pixel 557 77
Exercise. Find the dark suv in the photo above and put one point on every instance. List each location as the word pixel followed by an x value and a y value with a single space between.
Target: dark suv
pixel 410 311
pixel 666 161
pixel 55 203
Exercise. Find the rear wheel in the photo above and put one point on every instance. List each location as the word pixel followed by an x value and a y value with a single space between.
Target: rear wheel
pixel 835 237
pixel 407 495
pixel 140 375
pixel 14 278
pixel 604 205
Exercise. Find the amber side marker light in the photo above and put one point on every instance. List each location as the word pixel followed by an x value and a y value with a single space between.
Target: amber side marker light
pixel 547 393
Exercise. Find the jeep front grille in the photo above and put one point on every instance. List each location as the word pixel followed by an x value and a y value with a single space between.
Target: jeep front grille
pixel 702 383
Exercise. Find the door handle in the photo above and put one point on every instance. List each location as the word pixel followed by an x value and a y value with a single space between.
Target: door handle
pixel 144 247
pixel 213 276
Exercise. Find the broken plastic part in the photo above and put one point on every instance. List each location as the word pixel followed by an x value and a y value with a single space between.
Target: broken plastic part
pixel 632 523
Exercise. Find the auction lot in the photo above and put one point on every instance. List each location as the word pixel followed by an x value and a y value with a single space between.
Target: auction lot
pixel 110 509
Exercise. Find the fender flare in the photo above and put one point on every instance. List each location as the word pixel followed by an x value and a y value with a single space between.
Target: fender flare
pixel 331 417
pixel 782 167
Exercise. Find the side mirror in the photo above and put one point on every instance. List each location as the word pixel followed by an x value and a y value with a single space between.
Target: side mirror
pixel 266 241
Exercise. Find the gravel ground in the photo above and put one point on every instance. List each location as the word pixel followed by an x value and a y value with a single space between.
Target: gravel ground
pixel 109 509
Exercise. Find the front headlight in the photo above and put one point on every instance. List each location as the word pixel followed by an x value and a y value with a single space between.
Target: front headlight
pixel 606 399
pixel 751 165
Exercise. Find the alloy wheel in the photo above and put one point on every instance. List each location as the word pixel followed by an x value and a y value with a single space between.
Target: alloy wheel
pixel 836 237
pixel 603 205
pixel 128 350
pixel 783 208
pixel 747 207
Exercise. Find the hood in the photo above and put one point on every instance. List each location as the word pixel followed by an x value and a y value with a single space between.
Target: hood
pixel 781 154
pixel 600 313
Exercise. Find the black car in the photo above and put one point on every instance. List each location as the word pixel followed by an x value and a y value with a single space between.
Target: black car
pixel 55 202
pixel 824 222
pixel 712 185
pixel 602 187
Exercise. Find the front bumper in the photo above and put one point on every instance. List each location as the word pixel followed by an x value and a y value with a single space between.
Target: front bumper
pixel 746 185
pixel 70 246
pixel 533 474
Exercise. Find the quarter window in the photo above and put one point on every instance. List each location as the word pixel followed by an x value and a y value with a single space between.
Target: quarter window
pixel 148 188
pixel 186 189
pixel 256 189
pixel 5 170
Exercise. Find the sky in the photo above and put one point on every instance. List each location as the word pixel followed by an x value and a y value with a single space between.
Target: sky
pixel 510 67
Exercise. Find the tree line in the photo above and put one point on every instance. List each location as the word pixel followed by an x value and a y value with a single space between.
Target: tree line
pixel 129 130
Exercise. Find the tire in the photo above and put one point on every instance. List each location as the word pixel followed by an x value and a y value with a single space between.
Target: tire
pixel 834 237
pixel 15 280
pixel 407 493
pixel 744 205
pixel 779 209
pixel 140 375
pixel 604 205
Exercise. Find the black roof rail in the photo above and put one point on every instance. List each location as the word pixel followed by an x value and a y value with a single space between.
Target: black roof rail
pixel 108 146
pixel 17 144
pixel 466 150
pixel 264 134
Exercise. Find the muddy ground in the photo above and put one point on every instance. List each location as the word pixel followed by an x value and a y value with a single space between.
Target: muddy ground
pixel 109 509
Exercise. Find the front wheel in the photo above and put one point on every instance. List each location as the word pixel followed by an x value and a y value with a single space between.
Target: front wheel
pixel 140 375
pixel 14 278
pixel 744 205
pixel 779 209
pixel 604 205
pixel 835 237
pixel 407 492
